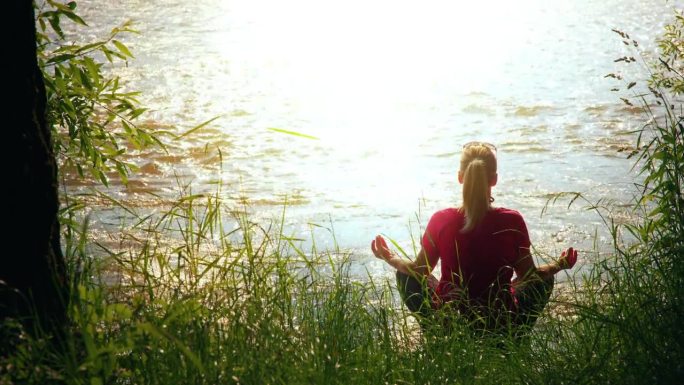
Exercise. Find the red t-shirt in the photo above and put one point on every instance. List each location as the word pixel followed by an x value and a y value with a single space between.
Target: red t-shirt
pixel 480 261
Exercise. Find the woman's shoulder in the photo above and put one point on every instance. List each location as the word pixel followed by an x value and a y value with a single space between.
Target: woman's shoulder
pixel 445 219
pixel 507 214
pixel 450 212
pixel 507 211
pixel 445 216
pixel 454 215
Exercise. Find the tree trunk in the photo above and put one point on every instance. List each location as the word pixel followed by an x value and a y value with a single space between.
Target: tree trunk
pixel 32 266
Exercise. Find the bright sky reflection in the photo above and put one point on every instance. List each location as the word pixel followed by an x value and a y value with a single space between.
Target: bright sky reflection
pixel 359 68
pixel 392 88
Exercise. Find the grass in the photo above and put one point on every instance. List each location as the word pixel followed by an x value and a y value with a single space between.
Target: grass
pixel 247 306
pixel 179 300
pixel 187 302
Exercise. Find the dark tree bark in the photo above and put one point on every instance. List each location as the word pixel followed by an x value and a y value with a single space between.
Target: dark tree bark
pixel 32 267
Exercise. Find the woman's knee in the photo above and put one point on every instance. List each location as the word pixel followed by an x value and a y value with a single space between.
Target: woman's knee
pixel 548 284
pixel 412 292
pixel 402 278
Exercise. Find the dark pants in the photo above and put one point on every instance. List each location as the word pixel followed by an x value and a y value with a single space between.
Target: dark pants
pixel 532 298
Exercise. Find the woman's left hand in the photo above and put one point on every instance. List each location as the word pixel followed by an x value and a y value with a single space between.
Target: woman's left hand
pixel 568 258
pixel 380 248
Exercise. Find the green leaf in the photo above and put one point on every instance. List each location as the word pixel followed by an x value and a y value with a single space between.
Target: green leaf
pixel 123 173
pixel 122 48
pixel 48 14
pixel 60 7
pixel 136 112
pixel 293 133
pixel 75 18
pixel 93 70
pixel 54 22
pixel 108 54
pixel 190 131
pixel 90 46
pixel 101 176
pixel 60 58
pixel 127 128
pixel 85 78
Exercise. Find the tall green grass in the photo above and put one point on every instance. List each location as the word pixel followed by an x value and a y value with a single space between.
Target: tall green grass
pixel 248 306
pixel 180 300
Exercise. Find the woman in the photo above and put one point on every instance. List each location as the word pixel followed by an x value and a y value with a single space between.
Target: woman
pixel 480 247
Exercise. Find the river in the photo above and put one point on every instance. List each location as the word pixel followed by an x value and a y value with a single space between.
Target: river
pixel 391 89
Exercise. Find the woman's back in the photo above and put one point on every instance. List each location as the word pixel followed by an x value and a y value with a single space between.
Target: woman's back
pixel 480 247
pixel 479 261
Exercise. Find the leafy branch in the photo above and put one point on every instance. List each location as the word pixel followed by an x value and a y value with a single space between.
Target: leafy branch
pixel 92 119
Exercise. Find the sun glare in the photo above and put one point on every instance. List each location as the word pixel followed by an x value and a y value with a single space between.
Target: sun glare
pixel 371 69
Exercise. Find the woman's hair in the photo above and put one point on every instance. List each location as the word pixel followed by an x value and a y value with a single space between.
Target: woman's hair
pixel 478 167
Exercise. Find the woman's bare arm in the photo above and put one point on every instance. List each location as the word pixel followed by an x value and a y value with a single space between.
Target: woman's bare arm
pixel 418 268
pixel 526 268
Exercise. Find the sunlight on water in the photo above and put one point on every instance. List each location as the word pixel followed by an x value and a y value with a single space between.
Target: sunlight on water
pixel 364 72
pixel 392 89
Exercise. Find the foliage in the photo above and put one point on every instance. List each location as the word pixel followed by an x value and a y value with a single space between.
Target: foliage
pixel 196 304
pixel 91 115
pixel 669 71
pixel 637 295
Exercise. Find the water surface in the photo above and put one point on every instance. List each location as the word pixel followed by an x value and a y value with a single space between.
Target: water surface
pixel 392 90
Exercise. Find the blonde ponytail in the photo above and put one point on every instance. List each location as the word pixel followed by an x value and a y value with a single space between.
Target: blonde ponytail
pixel 478 167
pixel 475 197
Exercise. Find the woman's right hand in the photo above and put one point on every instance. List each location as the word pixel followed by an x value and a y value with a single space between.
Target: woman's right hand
pixel 380 248
pixel 568 258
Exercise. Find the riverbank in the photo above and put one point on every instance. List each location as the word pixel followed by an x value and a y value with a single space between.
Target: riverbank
pixel 550 111
pixel 249 306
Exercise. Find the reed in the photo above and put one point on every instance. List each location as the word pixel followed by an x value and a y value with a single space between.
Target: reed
pixel 180 300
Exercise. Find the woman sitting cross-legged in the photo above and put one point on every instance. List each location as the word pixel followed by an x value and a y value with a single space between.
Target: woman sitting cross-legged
pixel 479 247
